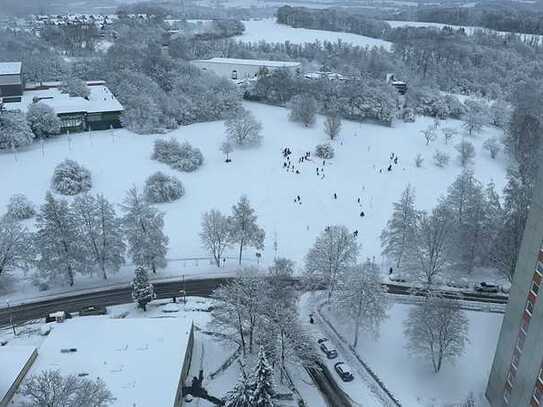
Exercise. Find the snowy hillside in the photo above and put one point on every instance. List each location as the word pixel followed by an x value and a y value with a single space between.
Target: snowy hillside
pixel 119 159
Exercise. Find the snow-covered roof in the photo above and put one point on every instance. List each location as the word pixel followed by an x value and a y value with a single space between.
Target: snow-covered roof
pixel 251 62
pixel 100 100
pixel 10 68
pixel 12 361
pixel 140 359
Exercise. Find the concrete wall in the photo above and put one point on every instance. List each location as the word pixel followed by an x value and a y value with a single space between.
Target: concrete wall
pixel 532 351
pixel 185 369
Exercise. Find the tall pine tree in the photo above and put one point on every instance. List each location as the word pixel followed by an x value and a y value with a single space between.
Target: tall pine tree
pixel 143 226
pixel 142 290
pixel 262 382
pixel 240 396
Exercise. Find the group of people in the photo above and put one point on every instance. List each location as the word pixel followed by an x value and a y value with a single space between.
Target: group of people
pixel 393 160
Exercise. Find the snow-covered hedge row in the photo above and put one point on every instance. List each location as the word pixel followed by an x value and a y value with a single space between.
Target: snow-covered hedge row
pixel 20 207
pixel 180 156
pixel 160 188
pixel 71 178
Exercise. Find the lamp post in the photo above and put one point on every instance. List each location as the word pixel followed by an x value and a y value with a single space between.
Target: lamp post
pixel 11 318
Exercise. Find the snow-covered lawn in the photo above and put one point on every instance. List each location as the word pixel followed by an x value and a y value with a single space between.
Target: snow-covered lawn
pixel 119 159
pixel 411 379
pixel 270 31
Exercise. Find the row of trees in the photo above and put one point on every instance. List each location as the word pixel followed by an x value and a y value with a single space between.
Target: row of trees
pixel 84 237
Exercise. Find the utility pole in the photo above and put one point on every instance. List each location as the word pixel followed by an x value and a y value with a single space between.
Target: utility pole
pixel 11 319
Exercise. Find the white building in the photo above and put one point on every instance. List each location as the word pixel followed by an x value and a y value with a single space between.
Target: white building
pixel 15 361
pixel 143 361
pixel 239 69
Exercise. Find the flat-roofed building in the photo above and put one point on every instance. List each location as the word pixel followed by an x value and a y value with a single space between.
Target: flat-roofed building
pixel 11 82
pixel 15 361
pixel 238 69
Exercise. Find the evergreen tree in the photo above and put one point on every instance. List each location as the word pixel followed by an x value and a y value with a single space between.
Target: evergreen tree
pixel 398 234
pixel 244 229
pixel 240 396
pixel 61 249
pixel 143 226
pixel 101 231
pixel 262 382
pixel 142 290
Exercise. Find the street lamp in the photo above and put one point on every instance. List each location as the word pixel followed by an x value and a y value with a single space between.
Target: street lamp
pixel 11 318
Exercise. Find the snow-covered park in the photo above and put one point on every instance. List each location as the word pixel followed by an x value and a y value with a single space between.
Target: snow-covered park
pixel 119 159
pixel 270 31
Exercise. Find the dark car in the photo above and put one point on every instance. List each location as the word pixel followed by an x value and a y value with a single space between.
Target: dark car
pixel 93 310
pixel 329 352
pixel 485 287
pixel 344 371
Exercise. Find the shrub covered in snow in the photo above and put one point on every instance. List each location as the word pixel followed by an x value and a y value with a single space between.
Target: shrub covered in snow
pixel 42 119
pixel 75 87
pixel 408 115
pixel 14 131
pixel 71 178
pixel 160 188
pixel 180 156
pixel 324 151
pixel 20 207
pixel 243 130
pixel 429 102
pixel 441 159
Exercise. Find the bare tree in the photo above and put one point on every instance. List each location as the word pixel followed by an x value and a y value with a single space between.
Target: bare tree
pixel 244 229
pixel 418 160
pixel 303 108
pixel 215 234
pixel 400 229
pixel 437 329
pixel 429 134
pixel 332 125
pixel 243 130
pixel 360 298
pixel 466 153
pixel 475 118
pixel 432 240
pixel 226 148
pixel 492 146
pixel 16 249
pixel 51 389
pixel 334 250
pixel 448 134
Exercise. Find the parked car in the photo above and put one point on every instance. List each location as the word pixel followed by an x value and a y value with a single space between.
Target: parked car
pixel 58 316
pixel 93 310
pixel 461 283
pixel 344 371
pixel 398 278
pixel 485 287
pixel 330 353
pixel 321 340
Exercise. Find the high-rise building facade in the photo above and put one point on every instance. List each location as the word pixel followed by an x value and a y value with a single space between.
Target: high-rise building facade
pixel 516 379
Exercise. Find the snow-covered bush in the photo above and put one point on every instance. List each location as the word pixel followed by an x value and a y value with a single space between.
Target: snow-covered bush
pixel 430 102
pixel 182 157
pixel 71 178
pixel 441 159
pixel 14 131
pixel 20 207
pixel 324 151
pixel 160 188
pixel 243 130
pixel 408 115
pixel 42 119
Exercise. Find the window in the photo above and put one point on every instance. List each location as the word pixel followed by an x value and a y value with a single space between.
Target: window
pixel 507 394
pixel 516 358
pixel 511 375
pixel 539 268
pixel 521 338
pixel 525 323
pixel 530 307
pixel 540 377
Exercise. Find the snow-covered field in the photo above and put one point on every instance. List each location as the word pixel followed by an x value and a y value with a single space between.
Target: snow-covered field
pixel 412 379
pixel 469 29
pixel 119 159
pixel 270 31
